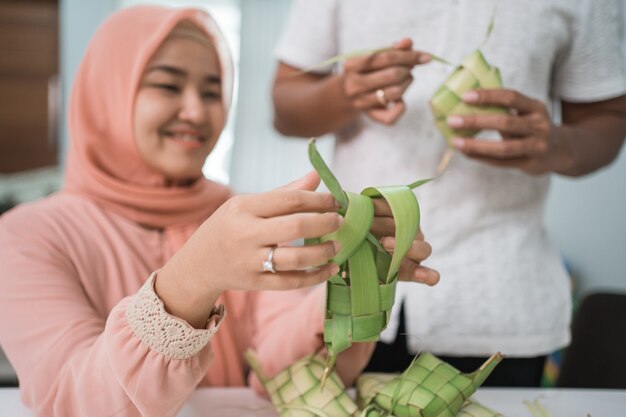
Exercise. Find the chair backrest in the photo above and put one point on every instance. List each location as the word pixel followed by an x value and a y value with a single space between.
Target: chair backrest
pixel 596 358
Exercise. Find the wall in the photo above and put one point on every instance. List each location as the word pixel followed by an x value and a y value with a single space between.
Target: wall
pixel 79 21
pixel 586 218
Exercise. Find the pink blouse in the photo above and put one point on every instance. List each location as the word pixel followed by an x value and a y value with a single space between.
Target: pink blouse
pixel 87 335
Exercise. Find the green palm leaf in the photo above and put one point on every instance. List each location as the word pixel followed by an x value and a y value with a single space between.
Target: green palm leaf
pixel 428 388
pixel 360 298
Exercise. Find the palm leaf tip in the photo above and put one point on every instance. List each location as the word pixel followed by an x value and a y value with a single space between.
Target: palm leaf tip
pixel 480 375
pixel 328 178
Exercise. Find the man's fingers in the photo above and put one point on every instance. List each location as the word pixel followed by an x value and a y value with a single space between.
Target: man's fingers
pixel 392 57
pixel 410 271
pixel 504 149
pixel 528 165
pixel 392 80
pixel 389 115
pixel 391 94
pixel 418 251
pixel 383 226
pixel 381 208
pixel 503 97
pixel 508 125
pixel 405 43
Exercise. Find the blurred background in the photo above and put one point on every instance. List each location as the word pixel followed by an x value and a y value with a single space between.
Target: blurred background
pixel 42 43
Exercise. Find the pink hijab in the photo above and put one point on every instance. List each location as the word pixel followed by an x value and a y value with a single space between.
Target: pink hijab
pixel 103 162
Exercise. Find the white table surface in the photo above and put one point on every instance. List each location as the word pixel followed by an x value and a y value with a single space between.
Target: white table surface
pixel 242 402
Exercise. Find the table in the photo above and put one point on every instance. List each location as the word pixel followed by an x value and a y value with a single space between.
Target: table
pixel 242 402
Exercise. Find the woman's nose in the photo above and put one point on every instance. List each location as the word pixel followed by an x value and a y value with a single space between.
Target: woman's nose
pixel 193 108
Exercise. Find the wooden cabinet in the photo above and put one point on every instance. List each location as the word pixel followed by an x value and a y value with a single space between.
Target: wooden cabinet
pixel 29 89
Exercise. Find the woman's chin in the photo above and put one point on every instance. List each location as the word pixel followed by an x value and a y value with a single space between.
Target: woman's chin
pixel 182 178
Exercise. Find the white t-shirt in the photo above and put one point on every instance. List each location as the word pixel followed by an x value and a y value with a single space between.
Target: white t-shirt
pixel 503 286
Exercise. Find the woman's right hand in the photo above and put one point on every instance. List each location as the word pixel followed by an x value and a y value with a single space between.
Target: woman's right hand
pixel 376 83
pixel 228 250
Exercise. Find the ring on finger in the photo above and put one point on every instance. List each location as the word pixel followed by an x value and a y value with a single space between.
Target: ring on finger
pixel 381 97
pixel 268 263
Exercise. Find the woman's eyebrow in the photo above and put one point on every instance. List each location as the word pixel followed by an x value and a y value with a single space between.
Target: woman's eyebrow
pixel 213 79
pixel 178 72
pixel 169 69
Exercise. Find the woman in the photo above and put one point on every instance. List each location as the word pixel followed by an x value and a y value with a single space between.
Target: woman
pixel 110 287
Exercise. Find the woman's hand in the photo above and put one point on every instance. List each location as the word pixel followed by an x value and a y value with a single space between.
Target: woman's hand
pixel 376 83
pixel 529 139
pixel 384 228
pixel 228 251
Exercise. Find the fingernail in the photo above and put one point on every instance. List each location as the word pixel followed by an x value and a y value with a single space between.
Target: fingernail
pixel 458 143
pixel 341 220
pixel 388 243
pixel 420 276
pixel 470 96
pixel 337 205
pixel 455 121
pixel 334 269
pixel 336 246
pixel 423 58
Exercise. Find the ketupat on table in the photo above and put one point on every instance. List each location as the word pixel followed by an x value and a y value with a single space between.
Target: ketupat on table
pixel 243 402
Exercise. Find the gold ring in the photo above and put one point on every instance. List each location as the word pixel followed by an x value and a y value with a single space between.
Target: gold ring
pixel 382 99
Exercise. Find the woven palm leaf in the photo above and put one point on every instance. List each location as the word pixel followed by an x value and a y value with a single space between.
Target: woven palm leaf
pixel 360 297
pixel 474 72
pixel 428 388
pixel 370 384
pixel 297 391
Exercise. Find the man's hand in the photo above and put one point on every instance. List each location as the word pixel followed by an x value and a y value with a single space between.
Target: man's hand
pixel 376 83
pixel 529 139
pixel 411 269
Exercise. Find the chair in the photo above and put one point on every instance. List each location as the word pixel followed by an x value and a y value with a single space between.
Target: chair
pixel 596 358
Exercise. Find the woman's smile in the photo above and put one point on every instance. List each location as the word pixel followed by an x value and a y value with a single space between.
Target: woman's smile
pixel 186 139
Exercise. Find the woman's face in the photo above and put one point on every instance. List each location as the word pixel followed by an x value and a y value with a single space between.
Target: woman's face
pixel 179 113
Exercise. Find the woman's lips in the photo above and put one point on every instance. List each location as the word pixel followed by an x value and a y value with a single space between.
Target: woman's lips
pixel 186 140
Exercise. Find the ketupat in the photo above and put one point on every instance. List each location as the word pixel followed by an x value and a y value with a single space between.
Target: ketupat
pixel 429 387
pixel 474 72
pixel 360 297
pixel 297 391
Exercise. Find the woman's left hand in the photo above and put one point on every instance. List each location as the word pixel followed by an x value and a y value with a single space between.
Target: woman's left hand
pixel 529 138
pixel 384 228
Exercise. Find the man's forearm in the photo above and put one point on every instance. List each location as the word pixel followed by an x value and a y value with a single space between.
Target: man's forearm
pixel 590 144
pixel 309 105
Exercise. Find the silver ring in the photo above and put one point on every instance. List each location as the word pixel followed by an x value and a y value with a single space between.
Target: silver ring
pixel 381 97
pixel 268 264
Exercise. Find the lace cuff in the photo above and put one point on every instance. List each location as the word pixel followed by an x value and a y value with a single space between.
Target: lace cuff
pixel 164 333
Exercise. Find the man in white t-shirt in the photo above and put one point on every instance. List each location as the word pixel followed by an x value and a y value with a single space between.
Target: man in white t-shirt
pixel 503 286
